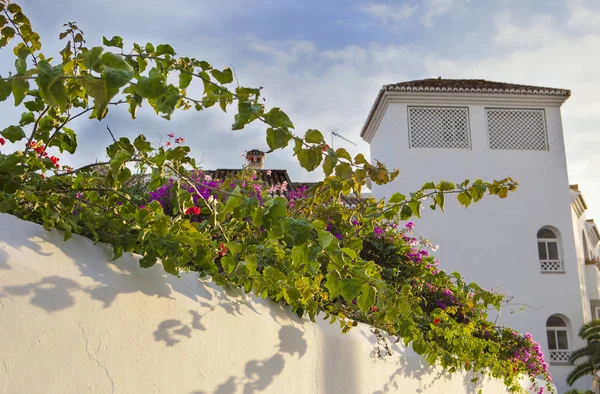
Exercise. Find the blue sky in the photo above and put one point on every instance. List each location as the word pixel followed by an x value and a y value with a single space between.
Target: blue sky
pixel 324 61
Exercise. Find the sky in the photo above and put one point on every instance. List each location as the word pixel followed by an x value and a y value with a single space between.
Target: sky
pixel 323 62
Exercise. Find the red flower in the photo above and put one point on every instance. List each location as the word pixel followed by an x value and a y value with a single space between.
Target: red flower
pixel 192 211
pixel 222 250
pixel 2 141
pixel 436 321
pixel 325 147
pixel 374 309
pixel 31 144
pixel 54 160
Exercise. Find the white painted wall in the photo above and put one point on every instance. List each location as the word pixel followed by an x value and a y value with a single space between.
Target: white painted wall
pixel 71 321
pixel 494 241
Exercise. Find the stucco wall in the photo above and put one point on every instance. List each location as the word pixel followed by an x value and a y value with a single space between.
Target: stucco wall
pixel 71 321
pixel 494 241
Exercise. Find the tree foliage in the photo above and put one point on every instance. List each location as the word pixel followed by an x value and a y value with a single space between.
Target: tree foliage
pixel 590 354
pixel 310 252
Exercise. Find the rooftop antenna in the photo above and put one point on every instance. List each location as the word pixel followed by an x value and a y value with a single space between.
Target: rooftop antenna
pixel 335 134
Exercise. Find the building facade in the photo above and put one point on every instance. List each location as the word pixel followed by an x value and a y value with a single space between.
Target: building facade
pixel 535 246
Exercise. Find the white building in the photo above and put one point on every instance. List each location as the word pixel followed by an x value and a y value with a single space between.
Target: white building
pixel 533 245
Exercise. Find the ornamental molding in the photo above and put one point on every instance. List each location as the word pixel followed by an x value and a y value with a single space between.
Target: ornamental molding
pixel 433 98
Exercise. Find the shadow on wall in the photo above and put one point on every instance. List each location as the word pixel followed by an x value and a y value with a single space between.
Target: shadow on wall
pixel 409 365
pixel 4 260
pixel 259 374
pixel 110 278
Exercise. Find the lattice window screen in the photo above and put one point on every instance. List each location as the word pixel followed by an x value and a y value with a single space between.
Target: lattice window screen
pixel 517 129
pixel 439 127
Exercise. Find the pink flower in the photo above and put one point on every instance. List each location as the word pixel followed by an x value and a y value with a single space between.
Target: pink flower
pixel 268 171
pixel 171 135
pixel 2 141
pixel 435 247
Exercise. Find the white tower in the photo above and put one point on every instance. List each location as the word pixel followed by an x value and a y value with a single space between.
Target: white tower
pixel 523 246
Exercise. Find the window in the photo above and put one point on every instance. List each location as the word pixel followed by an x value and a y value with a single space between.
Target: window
pixel 558 340
pixel 597 309
pixel 439 127
pixel 548 251
pixel 516 129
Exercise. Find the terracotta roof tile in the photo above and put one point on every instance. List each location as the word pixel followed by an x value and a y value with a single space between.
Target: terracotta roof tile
pixel 472 86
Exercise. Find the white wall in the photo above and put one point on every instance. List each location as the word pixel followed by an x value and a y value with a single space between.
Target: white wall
pixel 493 242
pixel 71 321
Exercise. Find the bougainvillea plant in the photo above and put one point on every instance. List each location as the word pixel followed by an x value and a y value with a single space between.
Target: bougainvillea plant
pixel 311 252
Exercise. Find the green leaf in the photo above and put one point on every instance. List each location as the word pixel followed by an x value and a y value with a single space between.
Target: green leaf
pixel 26 118
pixel 225 76
pixel 92 58
pixel 5 89
pixel 298 230
pixel 34 106
pixel 326 239
pixel 366 299
pixel 228 262
pixel 274 275
pixel 360 159
pixel 20 87
pixel 343 153
pixel 51 85
pixel 446 186
pixel 350 288
pixel 464 198
pixel 152 86
pixel 97 89
pixel 65 140
pixel 185 79
pixel 277 118
pixel 164 49
pixel 313 136
pixel 310 158
pixel 396 198
pixel 343 171
pixel 116 41
pixel 332 283
pixel 277 138
pixel 116 71
pixel 13 133
pixel 21 65
pixel 290 294
pixel 141 144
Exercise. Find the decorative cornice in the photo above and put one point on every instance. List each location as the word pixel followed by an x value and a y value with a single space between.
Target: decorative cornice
pixel 509 98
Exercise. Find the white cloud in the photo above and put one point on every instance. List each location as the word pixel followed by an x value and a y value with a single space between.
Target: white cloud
pixel 389 13
pixel 435 9
pixel 540 29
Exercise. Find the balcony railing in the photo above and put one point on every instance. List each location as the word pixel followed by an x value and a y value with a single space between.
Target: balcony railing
pixel 551 266
pixel 560 356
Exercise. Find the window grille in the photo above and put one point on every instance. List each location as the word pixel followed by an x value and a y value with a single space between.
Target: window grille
pixel 517 129
pixel 558 340
pixel 439 127
pixel 548 251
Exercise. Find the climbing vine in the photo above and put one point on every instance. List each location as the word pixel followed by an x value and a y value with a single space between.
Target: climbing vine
pixel 309 251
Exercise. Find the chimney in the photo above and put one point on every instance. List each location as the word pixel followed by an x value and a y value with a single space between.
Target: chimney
pixel 255 159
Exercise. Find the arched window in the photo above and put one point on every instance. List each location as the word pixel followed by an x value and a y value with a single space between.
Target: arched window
pixel 549 251
pixel 558 340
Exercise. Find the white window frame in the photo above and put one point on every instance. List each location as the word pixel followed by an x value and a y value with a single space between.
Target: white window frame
pixel 559 356
pixel 550 265
pixel 597 312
